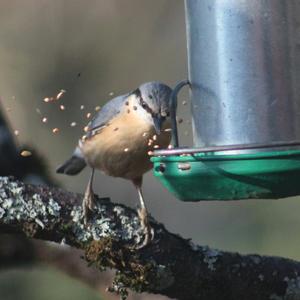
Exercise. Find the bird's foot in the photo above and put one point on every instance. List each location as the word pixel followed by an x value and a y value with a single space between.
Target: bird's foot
pixel 148 231
pixel 88 205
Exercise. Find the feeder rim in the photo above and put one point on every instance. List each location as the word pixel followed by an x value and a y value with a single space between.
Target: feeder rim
pixel 237 147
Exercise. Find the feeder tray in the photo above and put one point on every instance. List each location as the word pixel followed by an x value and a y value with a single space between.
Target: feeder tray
pixel 211 176
pixel 254 171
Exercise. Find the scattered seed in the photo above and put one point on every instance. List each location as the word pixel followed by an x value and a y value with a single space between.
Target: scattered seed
pixel 126 103
pixel 83 138
pixel 46 99
pixel 150 142
pixel 154 137
pixel 150 153
pixel 44 120
pixel 111 93
pixel 60 94
pixel 55 130
pixel 38 111
pixel 126 149
pixel 145 134
pixel 170 147
pixel 115 129
pixel 168 130
pixel 156 146
pixel 97 108
pixel 81 107
pixel 73 124
pixel 86 129
pixel 179 120
pixel 62 107
pixel 16 132
pixel 88 115
pixel 184 103
pixel 26 153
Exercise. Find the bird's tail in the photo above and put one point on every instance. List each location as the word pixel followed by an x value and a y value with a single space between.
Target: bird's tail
pixel 73 165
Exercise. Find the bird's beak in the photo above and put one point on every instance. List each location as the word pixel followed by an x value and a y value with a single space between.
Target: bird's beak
pixel 157 120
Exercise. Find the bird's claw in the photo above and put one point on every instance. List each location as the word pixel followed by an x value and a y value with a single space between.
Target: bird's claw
pixel 148 231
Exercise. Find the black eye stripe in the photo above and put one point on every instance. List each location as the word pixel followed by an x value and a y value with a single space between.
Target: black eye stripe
pixel 145 106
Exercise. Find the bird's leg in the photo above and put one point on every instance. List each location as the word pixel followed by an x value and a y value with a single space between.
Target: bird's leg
pixel 143 215
pixel 88 202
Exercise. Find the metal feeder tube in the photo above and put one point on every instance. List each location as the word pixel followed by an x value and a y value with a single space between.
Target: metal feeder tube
pixel 244 74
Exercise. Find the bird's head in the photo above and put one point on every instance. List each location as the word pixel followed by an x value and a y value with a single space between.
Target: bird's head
pixel 153 99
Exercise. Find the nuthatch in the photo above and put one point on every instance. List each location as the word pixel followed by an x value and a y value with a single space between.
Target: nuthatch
pixel 118 141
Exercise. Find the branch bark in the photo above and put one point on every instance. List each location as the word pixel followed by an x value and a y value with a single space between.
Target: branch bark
pixel 170 265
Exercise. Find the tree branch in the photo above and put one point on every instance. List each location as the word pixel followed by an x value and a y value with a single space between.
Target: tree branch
pixel 171 265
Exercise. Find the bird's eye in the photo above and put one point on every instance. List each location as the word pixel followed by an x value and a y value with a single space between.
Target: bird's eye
pixel 150 96
pixel 143 104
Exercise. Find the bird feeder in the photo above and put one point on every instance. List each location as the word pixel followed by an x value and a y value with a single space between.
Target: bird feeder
pixel 244 81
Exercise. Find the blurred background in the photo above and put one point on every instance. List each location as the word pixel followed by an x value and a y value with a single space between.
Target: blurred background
pixel 95 50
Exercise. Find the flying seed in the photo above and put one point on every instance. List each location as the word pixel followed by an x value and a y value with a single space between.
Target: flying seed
pixel 154 137
pixel 55 130
pixel 126 149
pixel 46 99
pixel 73 124
pixel 16 132
pixel 86 129
pixel 44 120
pixel 144 134
pixel 88 115
pixel 81 107
pixel 184 103
pixel 26 153
pixel 156 146
pixel 97 108
pixel 170 147
pixel 60 94
pixel 111 93
pixel 167 130
pixel 62 107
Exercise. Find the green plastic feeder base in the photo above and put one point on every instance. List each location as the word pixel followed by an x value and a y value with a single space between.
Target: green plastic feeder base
pixel 212 176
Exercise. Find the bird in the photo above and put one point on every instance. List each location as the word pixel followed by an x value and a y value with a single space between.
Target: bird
pixel 118 142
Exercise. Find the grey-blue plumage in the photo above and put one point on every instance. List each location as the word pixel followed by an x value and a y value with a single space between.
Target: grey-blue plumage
pixel 110 110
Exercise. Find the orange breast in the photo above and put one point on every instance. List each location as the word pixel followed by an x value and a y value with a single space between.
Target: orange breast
pixel 121 148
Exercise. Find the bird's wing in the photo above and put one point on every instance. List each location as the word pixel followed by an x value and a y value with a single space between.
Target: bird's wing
pixel 109 111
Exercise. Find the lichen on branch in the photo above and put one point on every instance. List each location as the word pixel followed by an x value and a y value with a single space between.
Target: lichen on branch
pixel 170 265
